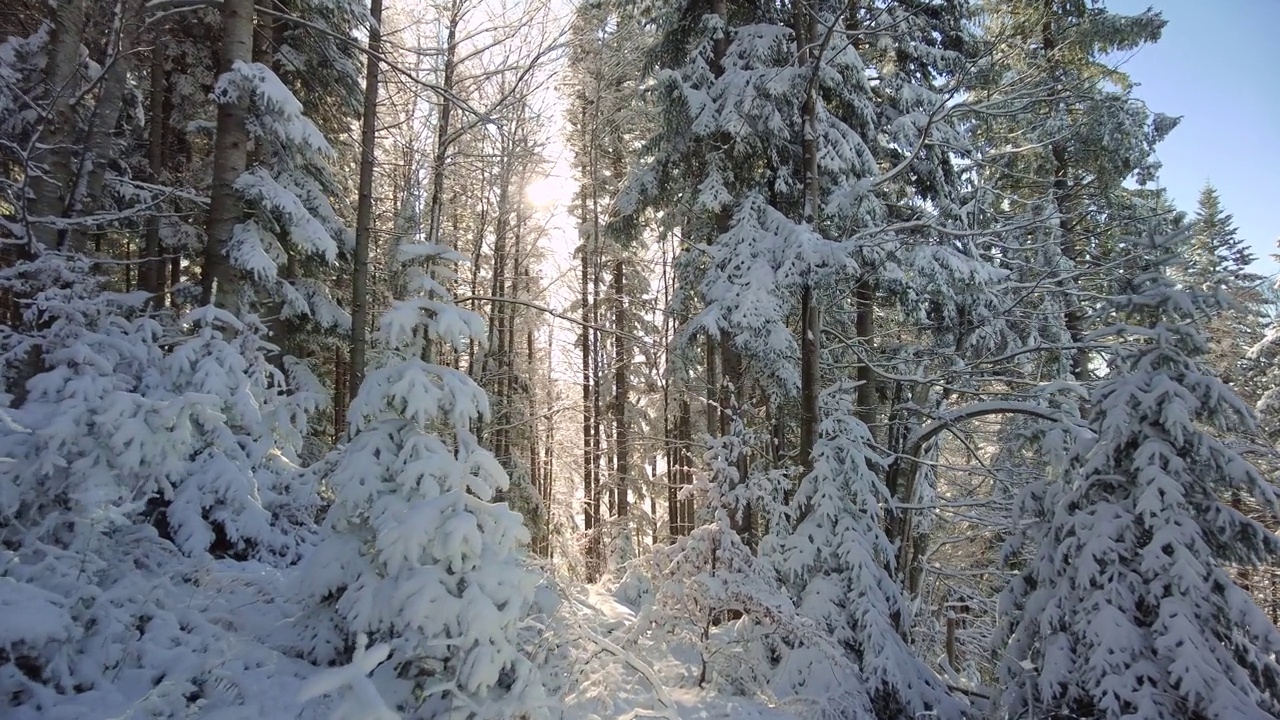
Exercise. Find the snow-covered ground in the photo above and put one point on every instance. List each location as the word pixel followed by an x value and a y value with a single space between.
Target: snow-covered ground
pixel 618 672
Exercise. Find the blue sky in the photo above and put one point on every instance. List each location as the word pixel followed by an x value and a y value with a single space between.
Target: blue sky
pixel 1216 67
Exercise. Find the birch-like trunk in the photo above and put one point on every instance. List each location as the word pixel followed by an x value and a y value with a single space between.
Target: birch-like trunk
pixel 230 157
pixel 52 171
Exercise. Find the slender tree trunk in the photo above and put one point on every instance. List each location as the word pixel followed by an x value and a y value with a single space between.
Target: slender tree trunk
pixel 621 393
pixel 439 159
pixel 590 481
pixel 674 430
pixel 1074 316
pixel 153 268
pixel 364 205
pixel 342 378
pixel 684 438
pixel 126 23
pixel 810 356
pixel 864 327
pixel 714 410
pixel 811 332
pixel 497 358
pixel 230 157
pixel 51 186
pixel 435 200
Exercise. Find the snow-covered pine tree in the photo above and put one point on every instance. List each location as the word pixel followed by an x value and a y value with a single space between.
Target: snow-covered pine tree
pixel 1127 608
pixel 713 592
pixel 839 564
pixel 418 556
pixel 242 493
pixel 1057 208
pixel 1080 135
pixel 288 192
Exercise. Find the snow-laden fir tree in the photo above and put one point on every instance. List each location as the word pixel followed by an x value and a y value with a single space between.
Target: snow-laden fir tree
pixel 1061 132
pixel 1127 608
pixel 839 564
pixel 242 493
pixel 418 554
pixel 288 192
pixel 715 593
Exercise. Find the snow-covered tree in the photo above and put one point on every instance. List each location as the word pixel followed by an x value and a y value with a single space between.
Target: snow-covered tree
pixel 243 492
pixel 839 563
pixel 287 192
pixel 1061 132
pixel 1128 608
pixel 419 556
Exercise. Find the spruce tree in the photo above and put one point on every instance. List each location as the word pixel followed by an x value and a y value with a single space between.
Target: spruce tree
pixel 1217 260
pixel 417 552
pixel 1216 255
pixel 1128 608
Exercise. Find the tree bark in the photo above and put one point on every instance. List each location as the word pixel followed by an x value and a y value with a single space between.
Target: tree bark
pixel 590 481
pixel 364 205
pixel 810 330
pixel 153 268
pixel 126 24
pixel 621 394
pixel 864 322
pixel 52 185
pixel 230 157
pixel 1074 316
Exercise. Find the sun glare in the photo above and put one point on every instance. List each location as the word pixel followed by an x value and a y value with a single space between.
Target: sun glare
pixel 549 192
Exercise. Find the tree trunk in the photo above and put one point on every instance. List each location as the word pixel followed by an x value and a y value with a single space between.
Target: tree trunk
pixel 230 157
pixel 497 354
pixel 364 205
pixel 621 394
pixel 590 481
pixel 439 159
pixel 153 268
pixel 684 441
pixel 341 381
pixel 435 200
pixel 810 330
pixel 126 23
pixel 864 326
pixel 1074 316
pixel 51 186
pixel 810 356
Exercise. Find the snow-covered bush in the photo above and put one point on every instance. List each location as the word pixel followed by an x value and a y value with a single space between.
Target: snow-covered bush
pixel 104 617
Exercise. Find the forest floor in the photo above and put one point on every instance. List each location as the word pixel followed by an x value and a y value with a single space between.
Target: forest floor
pixel 621 673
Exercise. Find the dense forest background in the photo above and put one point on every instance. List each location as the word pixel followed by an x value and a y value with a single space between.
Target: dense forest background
pixel 480 359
